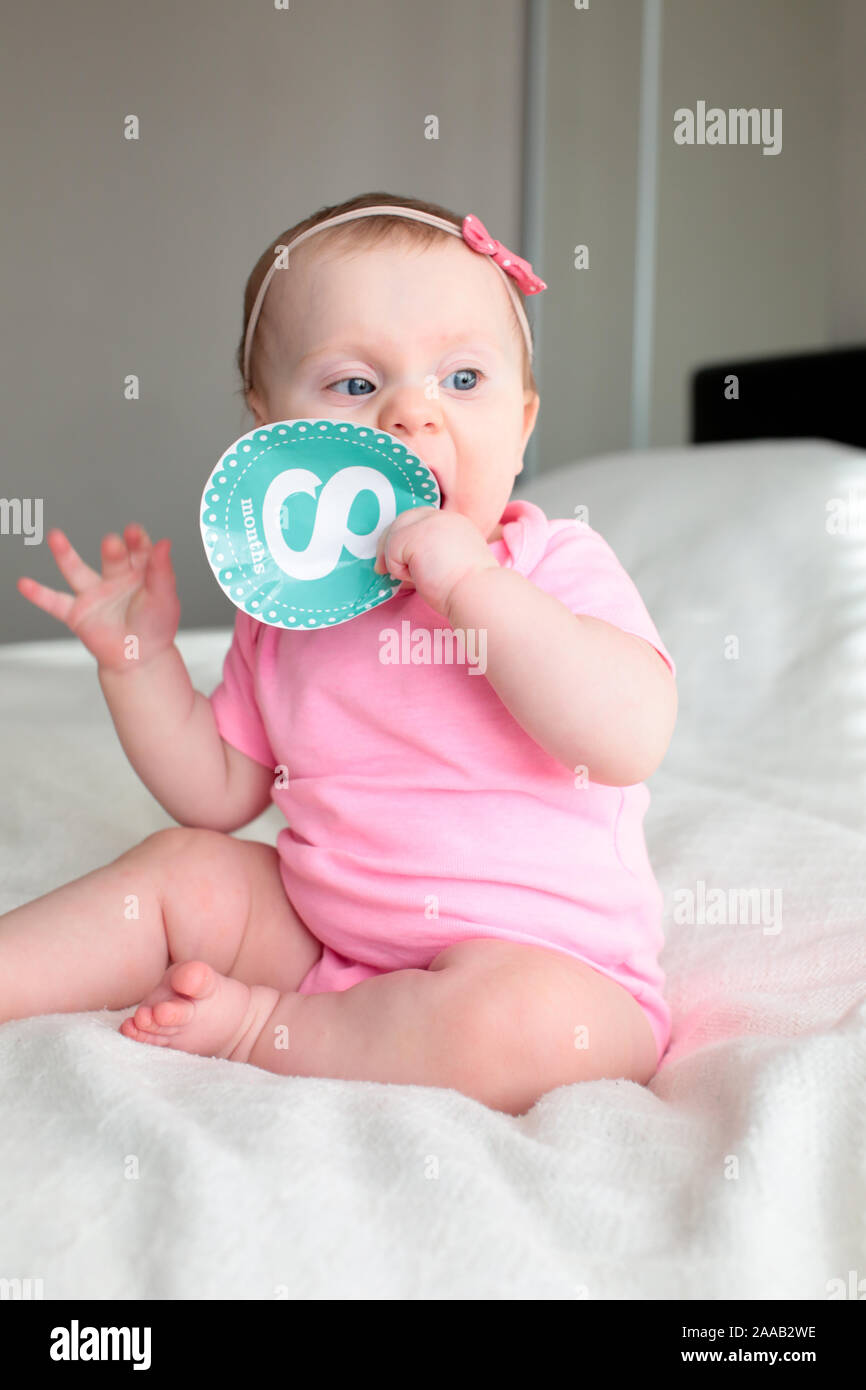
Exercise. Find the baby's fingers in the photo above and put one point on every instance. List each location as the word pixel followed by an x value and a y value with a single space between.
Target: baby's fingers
pixel 139 544
pixel 379 566
pixel 78 575
pixel 159 576
pixel 49 600
pixel 391 552
pixel 115 558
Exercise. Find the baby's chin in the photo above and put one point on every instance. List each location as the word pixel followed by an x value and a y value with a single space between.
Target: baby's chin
pixel 489 527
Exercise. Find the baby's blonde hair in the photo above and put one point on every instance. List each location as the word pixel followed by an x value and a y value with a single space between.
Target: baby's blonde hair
pixel 361 234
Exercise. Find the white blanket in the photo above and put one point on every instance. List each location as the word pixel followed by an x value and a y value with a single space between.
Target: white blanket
pixel 135 1172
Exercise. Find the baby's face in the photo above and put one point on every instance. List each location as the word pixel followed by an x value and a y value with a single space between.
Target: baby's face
pixel 421 343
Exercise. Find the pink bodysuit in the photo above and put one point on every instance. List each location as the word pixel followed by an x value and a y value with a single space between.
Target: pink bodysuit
pixel 419 811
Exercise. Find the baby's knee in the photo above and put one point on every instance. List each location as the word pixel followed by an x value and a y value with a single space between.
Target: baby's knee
pixel 183 866
pixel 200 882
pixel 487 1034
pixel 511 1012
pixel 178 841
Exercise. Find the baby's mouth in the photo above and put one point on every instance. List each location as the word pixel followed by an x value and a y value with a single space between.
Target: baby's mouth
pixel 438 480
pixel 441 489
pixel 439 486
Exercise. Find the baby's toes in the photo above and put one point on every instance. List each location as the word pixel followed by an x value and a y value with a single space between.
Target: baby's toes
pixel 172 1013
pixel 143 1019
pixel 193 978
pixel 142 1028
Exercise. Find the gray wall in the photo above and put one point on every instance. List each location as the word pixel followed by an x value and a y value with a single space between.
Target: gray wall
pixel 846 214
pixel 744 239
pixel 589 198
pixel 130 257
pixel 754 253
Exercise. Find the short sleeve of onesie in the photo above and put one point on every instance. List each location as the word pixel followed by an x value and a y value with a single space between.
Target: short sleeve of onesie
pixel 576 565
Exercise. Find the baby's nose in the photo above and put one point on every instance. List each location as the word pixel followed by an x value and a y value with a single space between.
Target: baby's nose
pixel 411 410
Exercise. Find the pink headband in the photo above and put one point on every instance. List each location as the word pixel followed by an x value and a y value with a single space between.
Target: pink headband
pixel 473 232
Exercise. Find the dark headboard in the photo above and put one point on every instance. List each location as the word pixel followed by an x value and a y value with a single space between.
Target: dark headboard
pixel 813 395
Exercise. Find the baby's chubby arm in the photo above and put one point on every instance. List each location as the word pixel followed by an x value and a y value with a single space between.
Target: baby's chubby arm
pixel 591 695
pixel 170 736
pixel 127 617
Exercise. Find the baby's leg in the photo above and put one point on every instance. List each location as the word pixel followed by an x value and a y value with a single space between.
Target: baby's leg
pixel 106 940
pixel 502 1023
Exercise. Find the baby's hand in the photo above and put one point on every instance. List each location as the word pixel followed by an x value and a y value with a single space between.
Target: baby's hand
pixel 433 550
pixel 135 596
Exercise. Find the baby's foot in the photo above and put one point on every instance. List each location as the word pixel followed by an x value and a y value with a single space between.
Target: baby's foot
pixel 197 1010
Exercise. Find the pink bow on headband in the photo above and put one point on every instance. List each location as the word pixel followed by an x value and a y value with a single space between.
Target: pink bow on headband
pixel 476 236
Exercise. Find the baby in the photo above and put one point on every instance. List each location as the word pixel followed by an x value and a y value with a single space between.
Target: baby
pixel 462 897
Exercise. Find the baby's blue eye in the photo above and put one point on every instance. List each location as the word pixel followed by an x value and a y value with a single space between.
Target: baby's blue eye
pixel 353 380
pixel 467 379
pixel 464 372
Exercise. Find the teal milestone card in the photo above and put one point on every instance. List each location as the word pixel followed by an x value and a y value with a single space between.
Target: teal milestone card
pixel 292 512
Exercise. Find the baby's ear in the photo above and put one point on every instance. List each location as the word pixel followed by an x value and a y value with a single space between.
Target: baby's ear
pixel 256 405
pixel 531 402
